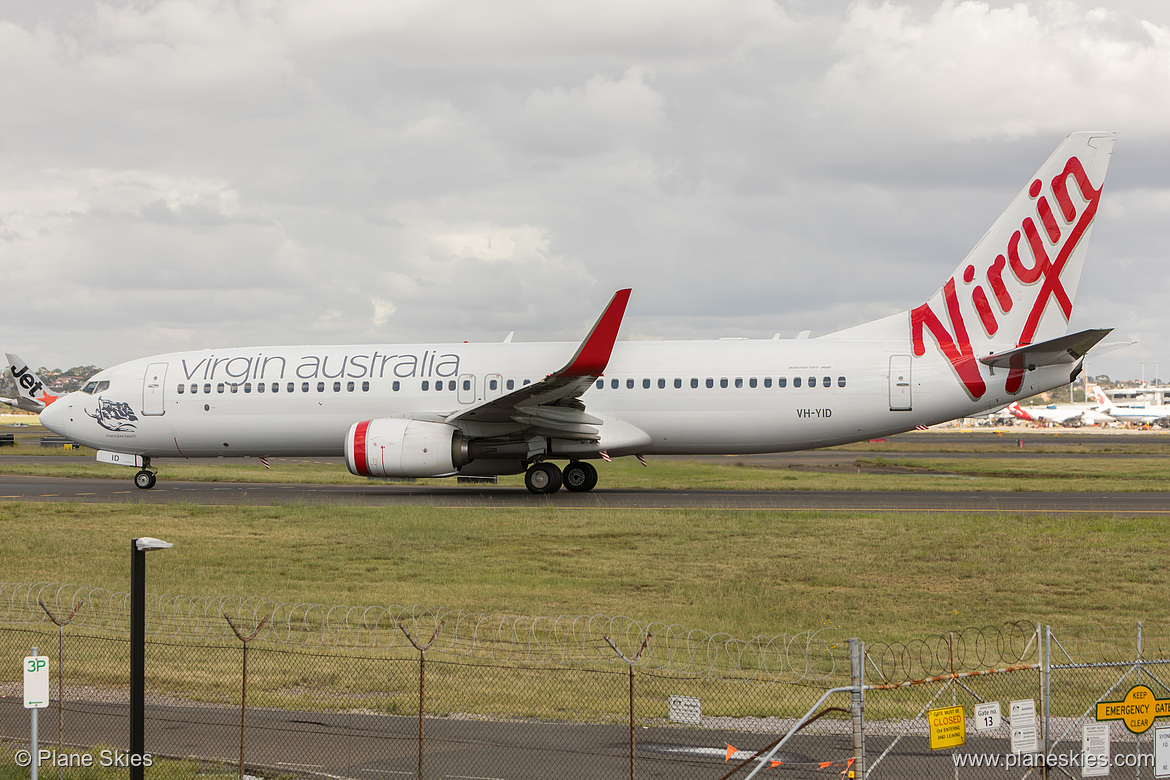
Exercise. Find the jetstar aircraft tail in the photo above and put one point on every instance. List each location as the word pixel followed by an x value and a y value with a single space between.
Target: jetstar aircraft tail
pixel 33 395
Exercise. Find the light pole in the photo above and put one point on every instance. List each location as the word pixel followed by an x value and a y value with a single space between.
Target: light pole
pixel 138 549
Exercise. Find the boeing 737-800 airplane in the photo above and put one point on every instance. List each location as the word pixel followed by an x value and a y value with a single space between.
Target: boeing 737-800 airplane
pixel 995 332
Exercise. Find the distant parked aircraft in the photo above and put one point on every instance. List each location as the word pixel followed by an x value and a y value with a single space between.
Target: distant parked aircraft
pixel 1060 414
pixel 1130 412
pixel 995 332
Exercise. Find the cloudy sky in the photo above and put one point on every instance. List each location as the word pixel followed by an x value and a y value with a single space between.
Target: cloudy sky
pixel 210 173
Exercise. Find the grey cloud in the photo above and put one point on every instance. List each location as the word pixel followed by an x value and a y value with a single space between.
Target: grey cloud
pixel 204 174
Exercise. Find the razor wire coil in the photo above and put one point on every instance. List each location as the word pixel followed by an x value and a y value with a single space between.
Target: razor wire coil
pixel 801 657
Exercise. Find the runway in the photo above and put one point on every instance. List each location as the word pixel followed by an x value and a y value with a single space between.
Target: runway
pixel 1010 445
pixel 105 491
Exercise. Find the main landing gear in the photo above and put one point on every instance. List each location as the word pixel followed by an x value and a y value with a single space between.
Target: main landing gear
pixel 545 477
pixel 145 479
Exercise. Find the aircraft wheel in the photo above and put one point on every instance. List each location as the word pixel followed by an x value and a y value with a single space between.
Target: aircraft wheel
pixel 580 477
pixel 144 480
pixel 543 478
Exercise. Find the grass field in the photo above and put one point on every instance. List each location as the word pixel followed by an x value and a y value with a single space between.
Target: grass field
pixel 879 575
pixel 882 576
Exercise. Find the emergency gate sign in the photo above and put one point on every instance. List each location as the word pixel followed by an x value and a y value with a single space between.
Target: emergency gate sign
pixel 948 727
pixel 36 682
pixel 1137 710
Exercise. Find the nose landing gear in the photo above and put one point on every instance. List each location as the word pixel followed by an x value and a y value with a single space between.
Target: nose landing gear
pixel 145 479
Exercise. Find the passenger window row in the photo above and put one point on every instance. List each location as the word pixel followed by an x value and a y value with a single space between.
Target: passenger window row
pixel 305 387
pixel 724 382
pixel 274 387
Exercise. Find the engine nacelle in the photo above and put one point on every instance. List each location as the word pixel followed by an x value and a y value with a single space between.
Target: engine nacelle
pixel 394 447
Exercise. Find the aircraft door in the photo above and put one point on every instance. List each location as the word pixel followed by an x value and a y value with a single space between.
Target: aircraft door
pixel 493 386
pixel 900 400
pixel 467 388
pixel 153 385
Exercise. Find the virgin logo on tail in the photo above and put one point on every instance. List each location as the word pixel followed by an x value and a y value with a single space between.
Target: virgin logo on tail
pixel 1038 268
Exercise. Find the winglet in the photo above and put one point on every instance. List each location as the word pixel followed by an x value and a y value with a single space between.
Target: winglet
pixel 593 354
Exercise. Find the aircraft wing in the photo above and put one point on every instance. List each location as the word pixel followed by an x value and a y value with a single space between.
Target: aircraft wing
pixel 552 406
pixel 1065 349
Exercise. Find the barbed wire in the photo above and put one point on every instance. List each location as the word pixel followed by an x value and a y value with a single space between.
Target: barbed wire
pixel 807 656
pixel 1109 644
pixel 966 650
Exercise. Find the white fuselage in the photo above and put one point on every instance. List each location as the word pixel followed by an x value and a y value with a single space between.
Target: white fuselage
pixel 688 397
pixel 1136 412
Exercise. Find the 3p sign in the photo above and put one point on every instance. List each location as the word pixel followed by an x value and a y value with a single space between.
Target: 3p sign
pixel 36 682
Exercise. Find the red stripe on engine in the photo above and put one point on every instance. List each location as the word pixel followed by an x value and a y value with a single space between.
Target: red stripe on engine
pixel 360 465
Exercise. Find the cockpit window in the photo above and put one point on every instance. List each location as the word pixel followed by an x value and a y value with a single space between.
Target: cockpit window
pixel 95 387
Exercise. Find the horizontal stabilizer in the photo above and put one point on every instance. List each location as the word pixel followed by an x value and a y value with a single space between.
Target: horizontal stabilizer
pixel 1064 349
pixel 27 404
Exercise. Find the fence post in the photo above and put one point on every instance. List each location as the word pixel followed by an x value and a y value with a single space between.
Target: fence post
pixel 244 681
pixel 422 676
pixel 1047 696
pixel 631 662
pixel 1138 746
pixel 857 673
pixel 1043 648
pixel 61 675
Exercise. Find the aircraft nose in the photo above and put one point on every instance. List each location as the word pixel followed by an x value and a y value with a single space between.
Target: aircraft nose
pixel 53 416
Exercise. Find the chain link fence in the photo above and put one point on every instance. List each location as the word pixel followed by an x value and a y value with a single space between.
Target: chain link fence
pixel 345 692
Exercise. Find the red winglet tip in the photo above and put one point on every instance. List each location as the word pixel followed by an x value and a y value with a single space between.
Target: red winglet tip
pixel 593 354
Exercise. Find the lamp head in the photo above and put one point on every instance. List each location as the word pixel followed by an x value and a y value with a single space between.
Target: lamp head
pixel 150 543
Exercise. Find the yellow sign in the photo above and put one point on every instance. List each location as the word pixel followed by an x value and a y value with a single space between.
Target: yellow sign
pixel 1137 710
pixel 948 727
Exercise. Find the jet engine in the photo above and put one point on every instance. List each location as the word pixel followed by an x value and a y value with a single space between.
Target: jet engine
pixel 396 447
